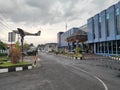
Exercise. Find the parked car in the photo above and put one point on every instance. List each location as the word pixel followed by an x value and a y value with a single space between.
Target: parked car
pixel 24 53
pixel 30 52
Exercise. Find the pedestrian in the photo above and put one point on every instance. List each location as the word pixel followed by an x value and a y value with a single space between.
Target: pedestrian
pixel 35 56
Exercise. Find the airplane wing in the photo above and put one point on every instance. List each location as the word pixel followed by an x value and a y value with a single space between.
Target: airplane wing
pixel 29 34
pixel 33 34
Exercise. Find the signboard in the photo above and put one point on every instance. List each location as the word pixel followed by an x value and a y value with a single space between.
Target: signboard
pixel 11 37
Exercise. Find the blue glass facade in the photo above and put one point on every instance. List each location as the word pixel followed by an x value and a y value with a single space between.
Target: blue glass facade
pixel 104 31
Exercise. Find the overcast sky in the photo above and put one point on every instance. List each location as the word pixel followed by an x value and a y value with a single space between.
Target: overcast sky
pixel 49 16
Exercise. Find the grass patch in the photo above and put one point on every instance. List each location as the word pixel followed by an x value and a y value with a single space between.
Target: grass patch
pixel 77 55
pixel 117 56
pixel 4 58
pixel 9 64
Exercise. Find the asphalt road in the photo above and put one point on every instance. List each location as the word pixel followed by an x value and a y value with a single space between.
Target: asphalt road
pixel 59 73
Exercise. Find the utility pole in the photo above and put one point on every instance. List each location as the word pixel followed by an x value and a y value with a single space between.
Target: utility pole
pixel 66 27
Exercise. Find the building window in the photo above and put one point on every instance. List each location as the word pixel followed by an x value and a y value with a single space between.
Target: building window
pixel 117 11
pixel 93 27
pixel 99 26
pixel 117 20
pixel 114 47
pixel 106 47
pixel 118 47
pixel 97 48
pixel 107 24
pixel 110 47
pixel 100 19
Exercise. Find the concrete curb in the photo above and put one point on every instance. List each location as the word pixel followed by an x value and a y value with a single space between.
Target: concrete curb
pixel 75 58
pixel 15 69
pixel 115 58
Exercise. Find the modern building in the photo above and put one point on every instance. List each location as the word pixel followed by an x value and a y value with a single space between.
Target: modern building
pixel 104 31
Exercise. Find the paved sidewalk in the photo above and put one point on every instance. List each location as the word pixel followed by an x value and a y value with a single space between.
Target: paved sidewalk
pixel 31 60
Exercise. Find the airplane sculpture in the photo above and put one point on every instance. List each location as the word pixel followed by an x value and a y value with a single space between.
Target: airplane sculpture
pixel 23 34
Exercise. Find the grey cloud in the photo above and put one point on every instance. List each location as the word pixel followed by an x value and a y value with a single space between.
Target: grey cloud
pixel 48 11
pixel 38 11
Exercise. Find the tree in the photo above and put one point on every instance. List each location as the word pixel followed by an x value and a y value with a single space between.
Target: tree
pixel 77 50
pixel 15 53
pixel 31 44
pixel 17 45
pixel 26 46
pixel 3 46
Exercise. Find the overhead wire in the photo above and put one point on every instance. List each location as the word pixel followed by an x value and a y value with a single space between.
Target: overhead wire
pixel 4 21
pixel 4 26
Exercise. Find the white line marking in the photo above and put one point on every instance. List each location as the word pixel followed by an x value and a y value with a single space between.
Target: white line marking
pixel 38 59
pixel 105 86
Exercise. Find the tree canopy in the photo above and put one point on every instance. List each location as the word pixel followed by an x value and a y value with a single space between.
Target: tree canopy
pixel 3 45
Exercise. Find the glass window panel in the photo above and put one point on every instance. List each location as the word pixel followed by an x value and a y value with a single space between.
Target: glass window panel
pixel 107 16
pixel 99 18
pixel 114 47
pixel 117 11
pixel 118 46
pixel 110 47
pixel 118 24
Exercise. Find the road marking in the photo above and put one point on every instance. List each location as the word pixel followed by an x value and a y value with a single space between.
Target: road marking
pixel 38 59
pixel 105 86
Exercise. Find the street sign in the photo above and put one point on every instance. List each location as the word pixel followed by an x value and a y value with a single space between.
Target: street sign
pixel 11 37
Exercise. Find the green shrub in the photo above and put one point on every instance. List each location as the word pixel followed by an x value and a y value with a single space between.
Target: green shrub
pixel 2 54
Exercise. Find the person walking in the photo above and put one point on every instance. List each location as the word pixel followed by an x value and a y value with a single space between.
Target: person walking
pixel 35 56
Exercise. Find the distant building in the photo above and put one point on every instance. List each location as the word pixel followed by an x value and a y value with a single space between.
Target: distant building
pixel 59 38
pixel 41 47
pixel 104 31
pixel 78 39
pixel 50 47
pixel 11 45
pixel 73 37
pixel 63 43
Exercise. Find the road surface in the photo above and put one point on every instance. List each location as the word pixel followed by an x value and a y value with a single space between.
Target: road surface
pixel 55 72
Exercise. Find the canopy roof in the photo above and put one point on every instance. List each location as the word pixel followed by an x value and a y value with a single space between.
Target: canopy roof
pixel 79 36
